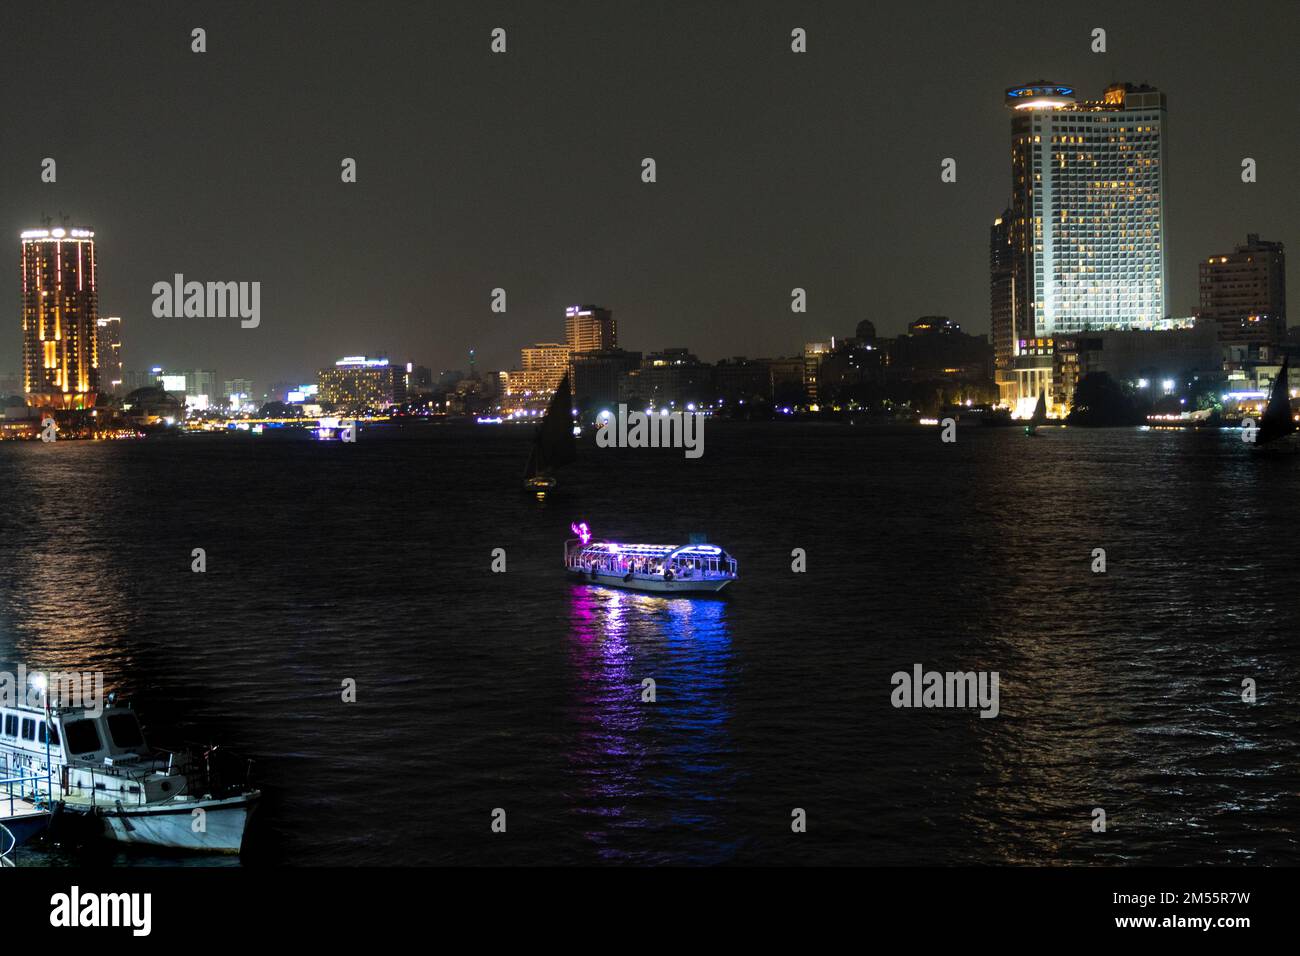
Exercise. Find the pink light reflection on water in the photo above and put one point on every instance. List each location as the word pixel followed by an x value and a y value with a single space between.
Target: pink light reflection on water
pixel 640 765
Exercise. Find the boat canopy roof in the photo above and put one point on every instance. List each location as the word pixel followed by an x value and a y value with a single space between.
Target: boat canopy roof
pixel 655 550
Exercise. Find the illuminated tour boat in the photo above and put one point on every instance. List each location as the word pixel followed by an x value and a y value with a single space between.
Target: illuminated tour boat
pixel 96 764
pixel 662 568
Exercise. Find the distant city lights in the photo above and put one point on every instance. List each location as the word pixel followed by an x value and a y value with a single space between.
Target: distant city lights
pixel 360 361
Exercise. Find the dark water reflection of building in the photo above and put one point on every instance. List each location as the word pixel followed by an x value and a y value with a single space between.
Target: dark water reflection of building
pixel 1121 690
pixel 647 773
pixel 64 594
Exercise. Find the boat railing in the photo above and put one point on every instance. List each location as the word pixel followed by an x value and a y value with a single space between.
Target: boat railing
pixel 606 565
pixel 207 770
pixel 215 769
pixel 95 793
pixel 25 785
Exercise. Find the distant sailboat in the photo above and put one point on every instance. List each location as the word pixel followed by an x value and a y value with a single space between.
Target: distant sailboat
pixel 1277 421
pixel 553 445
pixel 1040 414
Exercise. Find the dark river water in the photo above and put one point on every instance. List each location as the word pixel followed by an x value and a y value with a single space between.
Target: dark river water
pixel 522 691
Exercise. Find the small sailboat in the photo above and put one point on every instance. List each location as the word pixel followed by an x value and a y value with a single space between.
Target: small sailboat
pixel 1277 421
pixel 1040 415
pixel 553 445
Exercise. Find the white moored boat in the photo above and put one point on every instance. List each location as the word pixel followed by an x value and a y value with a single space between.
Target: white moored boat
pixel 665 568
pixel 96 763
pixel 20 818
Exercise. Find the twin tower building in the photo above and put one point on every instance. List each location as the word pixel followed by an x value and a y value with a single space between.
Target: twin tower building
pixel 1082 246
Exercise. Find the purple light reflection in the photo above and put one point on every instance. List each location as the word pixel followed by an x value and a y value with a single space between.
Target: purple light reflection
pixel 644 768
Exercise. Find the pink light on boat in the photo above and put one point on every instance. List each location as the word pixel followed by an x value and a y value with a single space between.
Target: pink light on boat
pixel 581 531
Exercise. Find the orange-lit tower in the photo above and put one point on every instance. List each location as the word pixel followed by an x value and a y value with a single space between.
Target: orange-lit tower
pixel 60 316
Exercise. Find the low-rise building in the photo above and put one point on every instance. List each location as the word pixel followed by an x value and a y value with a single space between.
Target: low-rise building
pixel 671 377
pixel 596 377
pixel 742 379
pixel 1156 362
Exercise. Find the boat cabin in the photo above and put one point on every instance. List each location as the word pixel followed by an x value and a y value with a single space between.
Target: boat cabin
pixel 25 739
pixel 92 756
pixel 669 561
pixel 78 735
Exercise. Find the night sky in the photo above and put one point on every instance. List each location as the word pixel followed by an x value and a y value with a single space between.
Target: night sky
pixel 522 170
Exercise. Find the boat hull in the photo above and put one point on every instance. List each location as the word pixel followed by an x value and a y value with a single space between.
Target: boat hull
pixel 540 484
pixel 24 826
pixel 652 584
pixel 172 825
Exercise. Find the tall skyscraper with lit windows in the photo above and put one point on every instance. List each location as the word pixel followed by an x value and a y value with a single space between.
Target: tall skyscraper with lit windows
pixel 108 336
pixel 589 328
pixel 1243 293
pixel 60 318
pixel 1087 227
pixel 1002 302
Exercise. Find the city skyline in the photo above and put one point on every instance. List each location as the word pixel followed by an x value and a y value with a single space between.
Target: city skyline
pixel 793 190
pixel 648 435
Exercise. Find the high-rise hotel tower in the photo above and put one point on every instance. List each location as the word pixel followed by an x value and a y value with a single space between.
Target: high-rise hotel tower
pixel 589 328
pixel 1086 230
pixel 60 316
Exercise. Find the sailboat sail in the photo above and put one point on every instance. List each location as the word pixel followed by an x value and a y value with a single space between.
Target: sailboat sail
pixel 1040 410
pixel 553 445
pixel 1277 421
